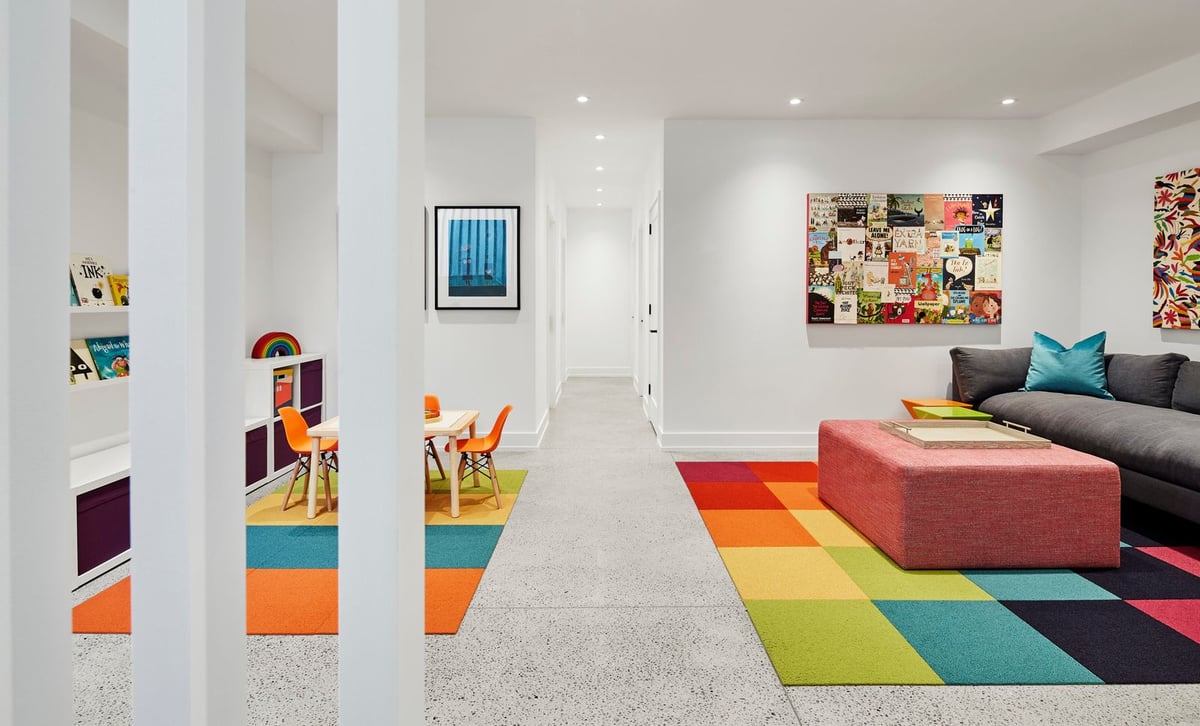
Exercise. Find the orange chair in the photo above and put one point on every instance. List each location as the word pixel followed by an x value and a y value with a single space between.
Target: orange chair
pixel 477 453
pixel 432 404
pixel 296 429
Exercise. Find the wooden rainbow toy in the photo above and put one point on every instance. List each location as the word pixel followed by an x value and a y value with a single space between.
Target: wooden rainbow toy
pixel 274 344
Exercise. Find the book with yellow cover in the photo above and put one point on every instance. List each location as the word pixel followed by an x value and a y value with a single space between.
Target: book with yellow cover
pixel 119 284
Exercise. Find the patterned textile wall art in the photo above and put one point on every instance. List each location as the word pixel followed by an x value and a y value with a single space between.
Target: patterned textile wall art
pixel 900 259
pixel 1177 250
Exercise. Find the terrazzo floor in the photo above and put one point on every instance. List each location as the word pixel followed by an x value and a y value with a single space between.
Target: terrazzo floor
pixel 605 602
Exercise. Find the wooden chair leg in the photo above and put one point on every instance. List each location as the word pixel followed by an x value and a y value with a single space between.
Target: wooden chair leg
pixel 425 466
pixel 291 484
pixel 462 467
pixel 495 480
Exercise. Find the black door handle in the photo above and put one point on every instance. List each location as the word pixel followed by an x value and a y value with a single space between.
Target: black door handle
pixel 653 331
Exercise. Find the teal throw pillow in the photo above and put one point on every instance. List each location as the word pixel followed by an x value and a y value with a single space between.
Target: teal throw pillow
pixel 1078 369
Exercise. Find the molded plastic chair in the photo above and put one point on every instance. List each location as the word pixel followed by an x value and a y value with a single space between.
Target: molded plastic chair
pixel 296 429
pixel 477 453
pixel 432 404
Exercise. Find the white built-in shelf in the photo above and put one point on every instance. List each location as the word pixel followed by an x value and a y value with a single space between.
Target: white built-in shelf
pixel 255 422
pixel 94 309
pixel 282 361
pixel 122 381
pixel 97 469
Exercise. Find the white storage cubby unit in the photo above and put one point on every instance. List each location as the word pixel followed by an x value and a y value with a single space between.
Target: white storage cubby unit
pixel 100 469
pixel 99 413
pixel 267 452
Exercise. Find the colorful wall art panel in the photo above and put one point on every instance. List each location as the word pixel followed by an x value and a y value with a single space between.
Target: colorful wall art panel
pixel 910 259
pixel 1177 250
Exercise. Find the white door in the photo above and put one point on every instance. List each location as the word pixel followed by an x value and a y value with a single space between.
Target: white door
pixel 653 390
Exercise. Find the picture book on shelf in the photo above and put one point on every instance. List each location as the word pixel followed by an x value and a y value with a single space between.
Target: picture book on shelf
pixel 90 275
pixel 83 369
pixel 74 297
pixel 119 284
pixel 111 355
pixel 283 388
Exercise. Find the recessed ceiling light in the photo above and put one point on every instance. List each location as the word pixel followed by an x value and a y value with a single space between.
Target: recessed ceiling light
pixel 599 168
pixel 599 204
pixel 599 189
pixel 796 101
pixel 582 99
pixel 1009 101
pixel 599 137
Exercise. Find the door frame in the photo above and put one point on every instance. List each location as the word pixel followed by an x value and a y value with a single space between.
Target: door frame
pixel 652 327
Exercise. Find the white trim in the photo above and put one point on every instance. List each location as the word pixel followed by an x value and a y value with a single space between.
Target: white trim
pixel 557 395
pixel 614 372
pixel 526 440
pixel 102 568
pixel 803 441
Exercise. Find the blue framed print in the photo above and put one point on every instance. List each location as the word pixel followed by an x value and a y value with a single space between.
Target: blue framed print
pixel 477 257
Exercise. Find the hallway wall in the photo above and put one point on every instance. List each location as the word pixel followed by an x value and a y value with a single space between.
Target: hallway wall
pixel 600 288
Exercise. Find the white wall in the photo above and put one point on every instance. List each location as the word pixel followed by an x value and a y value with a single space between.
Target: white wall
pixel 734 269
pixel 303 261
pixel 1118 240
pixel 600 302
pixel 484 359
pixel 259 269
pixel 100 226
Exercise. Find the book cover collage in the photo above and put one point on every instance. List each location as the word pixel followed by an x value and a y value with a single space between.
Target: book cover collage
pixel 97 359
pixel 897 259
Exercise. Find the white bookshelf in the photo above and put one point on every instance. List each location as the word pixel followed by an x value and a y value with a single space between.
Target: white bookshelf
pixel 98 309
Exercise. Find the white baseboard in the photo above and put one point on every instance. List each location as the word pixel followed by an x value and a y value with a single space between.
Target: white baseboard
pixel 620 372
pixel 557 396
pixel 804 442
pixel 526 440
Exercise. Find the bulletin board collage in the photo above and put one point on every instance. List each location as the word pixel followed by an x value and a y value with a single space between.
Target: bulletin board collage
pixel 898 259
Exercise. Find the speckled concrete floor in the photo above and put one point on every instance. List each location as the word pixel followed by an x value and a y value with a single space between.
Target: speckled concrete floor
pixel 606 603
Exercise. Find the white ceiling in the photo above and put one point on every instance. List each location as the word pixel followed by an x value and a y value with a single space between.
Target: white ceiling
pixel 646 60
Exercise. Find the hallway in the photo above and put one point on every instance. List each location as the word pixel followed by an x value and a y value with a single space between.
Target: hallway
pixel 606 603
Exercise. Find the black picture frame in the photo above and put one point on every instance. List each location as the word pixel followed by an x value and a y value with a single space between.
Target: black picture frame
pixel 483 269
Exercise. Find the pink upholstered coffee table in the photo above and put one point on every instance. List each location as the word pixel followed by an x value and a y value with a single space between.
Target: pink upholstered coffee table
pixel 971 508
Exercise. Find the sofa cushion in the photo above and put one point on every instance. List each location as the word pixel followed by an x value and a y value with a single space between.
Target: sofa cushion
pixel 1187 388
pixel 1146 379
pixel 1078 369
pixel 1157 442
pixel 980 373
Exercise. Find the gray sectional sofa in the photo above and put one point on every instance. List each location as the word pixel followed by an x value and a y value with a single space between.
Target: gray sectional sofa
pixel 1151 431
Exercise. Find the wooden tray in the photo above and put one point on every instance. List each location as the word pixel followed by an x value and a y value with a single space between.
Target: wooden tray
pixel 433 419
pixel 951 434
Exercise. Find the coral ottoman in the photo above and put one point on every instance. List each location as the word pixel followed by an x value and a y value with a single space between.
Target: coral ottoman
pixel 971 508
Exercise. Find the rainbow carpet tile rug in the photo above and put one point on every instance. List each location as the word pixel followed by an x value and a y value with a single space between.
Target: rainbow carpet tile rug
pixel 831 608
pixel 291 563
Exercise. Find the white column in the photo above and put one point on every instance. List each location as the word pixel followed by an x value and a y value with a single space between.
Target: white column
pixel 186 257
pixel 36 512
pixel 381 547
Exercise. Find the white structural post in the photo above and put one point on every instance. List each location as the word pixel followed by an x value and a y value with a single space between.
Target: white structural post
pixel 35 506
pixel 381 546
pixel 186 251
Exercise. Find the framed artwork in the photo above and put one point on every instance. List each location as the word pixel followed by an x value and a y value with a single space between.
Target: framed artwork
pixel 1177 250
pixel 477 254
pixel 904 259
